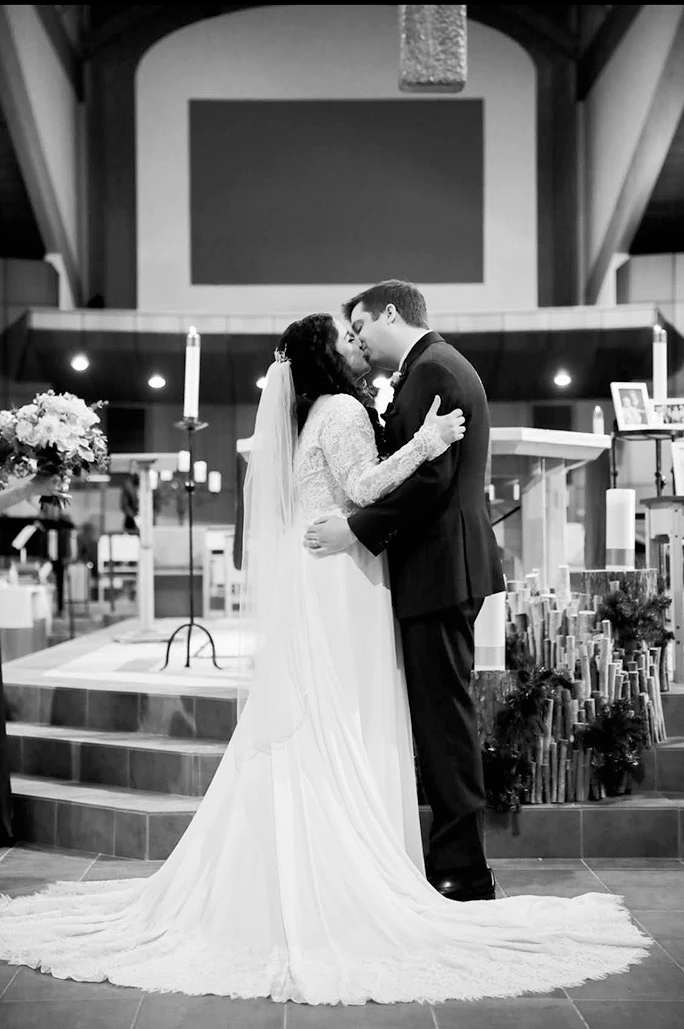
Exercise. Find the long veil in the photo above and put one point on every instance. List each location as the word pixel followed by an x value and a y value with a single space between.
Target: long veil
pixel 269 707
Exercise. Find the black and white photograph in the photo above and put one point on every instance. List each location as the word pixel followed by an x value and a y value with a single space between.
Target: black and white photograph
pixel 670 413
pixel 341 500
pixel 633 409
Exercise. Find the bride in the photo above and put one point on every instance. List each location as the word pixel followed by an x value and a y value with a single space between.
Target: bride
pixel 301 876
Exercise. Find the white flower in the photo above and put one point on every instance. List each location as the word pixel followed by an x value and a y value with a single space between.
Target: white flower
pixel 8 424
pixel 27 432
pixel 29 412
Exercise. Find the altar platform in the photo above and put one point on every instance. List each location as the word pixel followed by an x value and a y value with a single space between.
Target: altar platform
pixel 112 755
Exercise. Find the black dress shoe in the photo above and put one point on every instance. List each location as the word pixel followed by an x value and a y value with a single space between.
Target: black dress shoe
pixel 463 887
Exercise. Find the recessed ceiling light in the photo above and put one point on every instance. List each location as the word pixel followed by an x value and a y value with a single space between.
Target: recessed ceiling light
pixel 80 363
pixel 156 382
pixel 562 379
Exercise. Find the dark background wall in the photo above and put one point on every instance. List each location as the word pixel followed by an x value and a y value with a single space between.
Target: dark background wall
pixel 275 197
pixel 110 82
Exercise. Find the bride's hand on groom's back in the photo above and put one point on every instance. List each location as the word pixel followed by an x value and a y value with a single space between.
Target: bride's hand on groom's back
pixel 449 427
pixel 329 535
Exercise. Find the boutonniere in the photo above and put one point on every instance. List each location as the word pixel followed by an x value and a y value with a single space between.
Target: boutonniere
pixel 396 379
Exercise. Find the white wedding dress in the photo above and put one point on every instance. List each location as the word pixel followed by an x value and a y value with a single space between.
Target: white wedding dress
pixel 301 876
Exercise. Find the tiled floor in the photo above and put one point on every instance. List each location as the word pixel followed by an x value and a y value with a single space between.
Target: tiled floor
pixel 651 995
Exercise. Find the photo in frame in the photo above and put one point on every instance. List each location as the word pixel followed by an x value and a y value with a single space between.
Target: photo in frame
pixel 670 414
pixel 678 466
pixel 632 405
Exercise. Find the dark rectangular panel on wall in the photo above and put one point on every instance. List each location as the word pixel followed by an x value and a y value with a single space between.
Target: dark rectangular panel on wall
pixel 552 416
pixel 308 192
pixel 125 428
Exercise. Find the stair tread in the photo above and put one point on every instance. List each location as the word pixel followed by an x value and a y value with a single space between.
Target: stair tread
pixel 102 796
pixel 672 743
pixel 131 740
pixel 131 682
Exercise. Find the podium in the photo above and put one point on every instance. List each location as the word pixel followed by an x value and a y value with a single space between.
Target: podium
pixel 540 461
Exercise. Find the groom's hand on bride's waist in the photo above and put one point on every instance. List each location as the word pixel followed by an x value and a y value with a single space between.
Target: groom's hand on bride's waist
pixel 329 535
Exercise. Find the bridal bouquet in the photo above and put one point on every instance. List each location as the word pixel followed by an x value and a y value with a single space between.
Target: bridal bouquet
pixel 54 437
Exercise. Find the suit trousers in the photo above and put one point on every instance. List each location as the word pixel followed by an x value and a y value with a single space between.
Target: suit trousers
pixel 439 654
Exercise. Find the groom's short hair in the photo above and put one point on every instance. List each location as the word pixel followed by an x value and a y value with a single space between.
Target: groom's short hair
pixel 407 298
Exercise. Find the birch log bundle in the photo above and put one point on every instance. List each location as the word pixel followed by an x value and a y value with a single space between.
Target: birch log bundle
pixel 570 639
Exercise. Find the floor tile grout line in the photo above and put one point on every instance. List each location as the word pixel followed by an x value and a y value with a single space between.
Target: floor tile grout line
pixel 137 1012
pixel 3 856
pixel 94 861
pixel 434 1016
pixel 599 879
pixel 658 943
pixel 285 1007
pixel 577 1010
pixel 16 973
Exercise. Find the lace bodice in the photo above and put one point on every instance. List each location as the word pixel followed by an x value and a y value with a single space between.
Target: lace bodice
pixel 337 468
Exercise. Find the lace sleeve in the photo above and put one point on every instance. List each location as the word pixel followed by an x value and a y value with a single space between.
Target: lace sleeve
pixel 348 444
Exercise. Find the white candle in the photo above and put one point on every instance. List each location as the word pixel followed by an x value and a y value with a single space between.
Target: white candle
pixel 597 423
pixel 166 475
pixel 564 580
pixel 192 375
pixel 183 460
pixel 659 365
pixel 200 471
pixel 154 478
pixel 620 529
pixel 52 544
pixel 490 635
pixel 214 482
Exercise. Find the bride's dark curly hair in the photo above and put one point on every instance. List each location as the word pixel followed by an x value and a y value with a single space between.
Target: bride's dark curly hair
pixel 310 345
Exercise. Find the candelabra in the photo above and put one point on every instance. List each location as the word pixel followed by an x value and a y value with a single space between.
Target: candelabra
pixel 190 425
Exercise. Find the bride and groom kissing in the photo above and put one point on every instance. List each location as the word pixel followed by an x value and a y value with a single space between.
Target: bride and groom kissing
pixel 443 562
pixel 302 875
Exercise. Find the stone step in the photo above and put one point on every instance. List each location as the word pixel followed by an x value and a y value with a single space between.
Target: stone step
pixel 128 823
pixel 673 710
pixel 101 819
pixel 136 761
pixel 171 709
pixel 664 767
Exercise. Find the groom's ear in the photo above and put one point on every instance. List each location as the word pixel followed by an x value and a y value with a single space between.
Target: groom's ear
pixel 391 312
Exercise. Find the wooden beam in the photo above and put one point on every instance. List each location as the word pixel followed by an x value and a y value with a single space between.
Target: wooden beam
pixel 16 104
pixel 66 52
pixel 603 46
pixel 550 30
pixel 660 125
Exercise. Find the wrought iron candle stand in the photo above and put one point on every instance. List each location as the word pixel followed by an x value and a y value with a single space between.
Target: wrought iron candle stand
pixel 191 426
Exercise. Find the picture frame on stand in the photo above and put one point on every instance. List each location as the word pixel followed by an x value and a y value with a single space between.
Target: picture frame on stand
pixel 633 409
pixel 678 467
pixel 670 414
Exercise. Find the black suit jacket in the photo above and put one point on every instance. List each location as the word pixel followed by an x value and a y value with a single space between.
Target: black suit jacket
pixel 436 526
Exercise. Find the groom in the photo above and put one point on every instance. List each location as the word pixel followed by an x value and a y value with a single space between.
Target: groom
pixel 443 561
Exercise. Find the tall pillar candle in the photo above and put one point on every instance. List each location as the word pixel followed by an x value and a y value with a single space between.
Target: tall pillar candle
pixel 659 365
pixel 490 635
pixel 192 375
pixel 620 529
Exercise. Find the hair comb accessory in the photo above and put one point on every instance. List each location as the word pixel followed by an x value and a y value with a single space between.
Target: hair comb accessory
pixel 280 356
